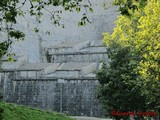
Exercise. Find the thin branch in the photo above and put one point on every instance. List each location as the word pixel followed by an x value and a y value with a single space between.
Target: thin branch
pixel 31 3
pixel 2 13
pixel 89 2
pixel 22 4
pixel 50 13
pixel 7 30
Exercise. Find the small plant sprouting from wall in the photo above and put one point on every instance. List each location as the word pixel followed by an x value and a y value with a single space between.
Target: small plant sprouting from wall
pixel 48 57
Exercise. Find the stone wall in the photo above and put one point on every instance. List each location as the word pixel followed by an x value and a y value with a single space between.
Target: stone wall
pixel 71 96
pixel 102 20
pixel 80 57
pixel 67 85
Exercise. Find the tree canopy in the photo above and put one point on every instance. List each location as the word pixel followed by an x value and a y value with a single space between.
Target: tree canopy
pixel 126 7
pixel 131 81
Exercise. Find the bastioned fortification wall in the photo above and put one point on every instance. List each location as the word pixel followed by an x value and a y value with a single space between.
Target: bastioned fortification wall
pixel 62 85
pixel 56 72
pixel 69 96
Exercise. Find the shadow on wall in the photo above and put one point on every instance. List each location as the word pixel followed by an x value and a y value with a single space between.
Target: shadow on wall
pixel 1 109
pixel 1 96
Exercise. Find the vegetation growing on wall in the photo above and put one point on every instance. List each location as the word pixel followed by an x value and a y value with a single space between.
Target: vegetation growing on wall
pixel 131 81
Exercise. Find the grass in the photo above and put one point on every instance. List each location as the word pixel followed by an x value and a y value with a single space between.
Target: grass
pixel 10 111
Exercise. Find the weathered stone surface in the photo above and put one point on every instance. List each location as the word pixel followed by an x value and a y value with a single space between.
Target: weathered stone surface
pixel 67 84
pixel 101 21
pixel 68 47
pixel 18 61
pixel 66 74
pixel 72 44
pixel 73 66
pixel 71 96
pixel 97 43
pixel 35 70
pixel 39 66
pixel 90 68
pixel 95 50
pixel 80 57
pixel 92 52
pixel 73 70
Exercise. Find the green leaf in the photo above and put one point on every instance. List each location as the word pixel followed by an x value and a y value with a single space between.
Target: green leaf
pixel 48 33
pixel 36 30
pixel 17 34
pixel 78 9
pixel 90 9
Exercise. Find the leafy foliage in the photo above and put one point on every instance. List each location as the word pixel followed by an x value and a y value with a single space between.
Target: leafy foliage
pixel 130 82
pixel 120 88
pixel 147 43
pixel 1 112
pixel 126 7
pixel 3 48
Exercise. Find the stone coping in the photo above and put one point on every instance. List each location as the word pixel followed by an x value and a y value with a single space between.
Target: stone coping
pixel 15 58
pixel 37 66
pixel 79 53
pixel 69 70
pixel 72 66
pixel 71 44
pixel 67 44
pixel 97 43
pixel 93 49
pixel 53 79
pixel 17 70
pixel 7 70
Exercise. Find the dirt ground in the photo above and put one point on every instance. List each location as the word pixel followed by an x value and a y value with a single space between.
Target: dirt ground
pixel 88 118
